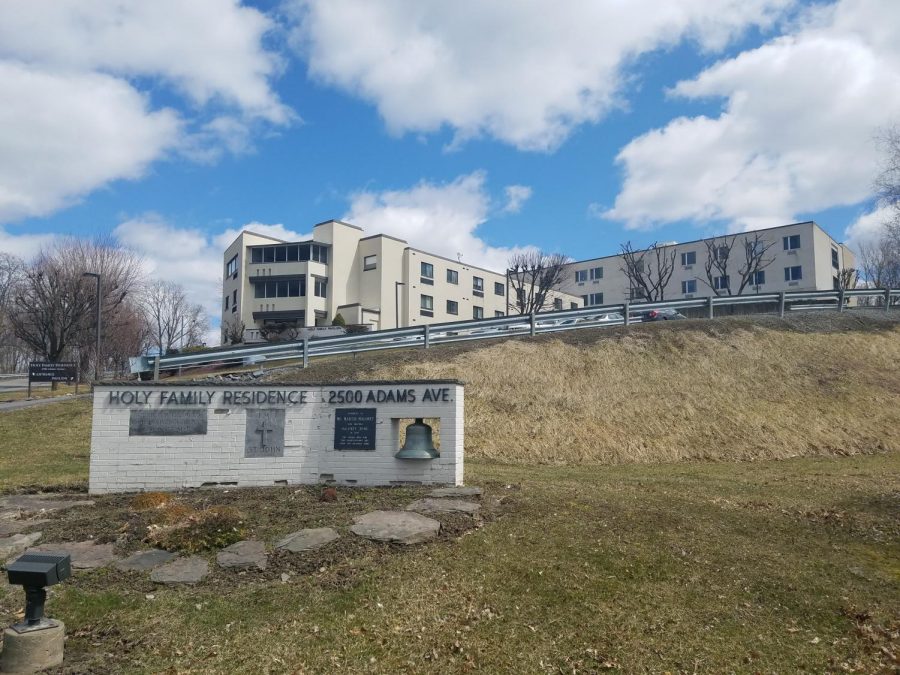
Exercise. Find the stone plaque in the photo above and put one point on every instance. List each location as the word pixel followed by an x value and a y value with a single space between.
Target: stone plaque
pixel 354 429
pixel 264 436
pixel 187 422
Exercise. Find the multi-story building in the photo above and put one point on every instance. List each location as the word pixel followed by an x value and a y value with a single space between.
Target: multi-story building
pixel 802 257
pixel 377 280
pixel 383 282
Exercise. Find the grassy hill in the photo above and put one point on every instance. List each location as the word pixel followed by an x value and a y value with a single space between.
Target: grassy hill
pixel 729 389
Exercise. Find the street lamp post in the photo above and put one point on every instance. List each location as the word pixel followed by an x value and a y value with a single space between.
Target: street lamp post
pixel 97 303
pixel 397 285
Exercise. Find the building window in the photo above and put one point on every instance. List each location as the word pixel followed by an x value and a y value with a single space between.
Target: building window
pixel 234 301
pixel 320 254
pixel 452 307
pixel 231 269
pixel 581 276
pixel 836 283
pixel 596 273
pixel 835 261
pixel 721 283
pixel 759 278
pixel 478 287
pixel 478 312
pixel 573 305
pixel 452 277
pixel 370 262
pixel 427 271
pixel 689 286
pixel 794 273
pixel 498 313
pixel 289 253
pixel 636 294
pixel 426 305
pixel 791 243
pixel 321 287
pixel 721 253
pixel 282 288
pixel 596 299
pixel 557 304
pixel 499 289
pixel 689 258
pixel 227 298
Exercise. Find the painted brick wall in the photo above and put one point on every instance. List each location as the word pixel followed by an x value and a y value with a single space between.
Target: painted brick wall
pixel 123 463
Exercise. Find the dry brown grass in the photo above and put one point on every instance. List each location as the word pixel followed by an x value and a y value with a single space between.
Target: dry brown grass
pixel 754 392
pixel 150 500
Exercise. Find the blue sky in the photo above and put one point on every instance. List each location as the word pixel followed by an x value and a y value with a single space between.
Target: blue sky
pixel 467 128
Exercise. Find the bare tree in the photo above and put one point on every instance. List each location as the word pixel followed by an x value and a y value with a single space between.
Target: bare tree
pixel 648 270
pixel 887 183
pixel 880 259
pixel 54 305
pixel 233 331
pixel 532 276
pixel 13 354
pixel 847 278
pixel 171 318
pixel 723 262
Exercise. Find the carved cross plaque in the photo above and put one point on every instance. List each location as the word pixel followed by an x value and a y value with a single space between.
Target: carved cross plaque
pixel 264 436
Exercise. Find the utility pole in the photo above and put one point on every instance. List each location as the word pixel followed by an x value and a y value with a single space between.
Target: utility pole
pixel 97 303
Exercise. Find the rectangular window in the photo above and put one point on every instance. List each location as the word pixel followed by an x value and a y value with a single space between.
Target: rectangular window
pixel 557 304
pixel 281 254
pixel 227 298
pixel 498 313
pixel 639 266
pixel 370 262
pixel 478 312
pixel 595 299
pixel 573 305
pixel 452 307
pixel 293 253
pixel 836 283
pixel 596 273
pixel 835 260
pixel 721 283
pixel 794 273
pixel 231 268
pixel 304 253
pixel 321 287
pixel 759 278
pixel 289 288
pixel 452 277
pixel 269 254
pixel 499 289
pixel 426 305
pixel 637 294
pixel 427 270
pixel 256 255
pixel 581 276
pixel 478 287
pixel 721 253
pixel 689 258
pixel 791 243
pixel 689 286
pixel 584 300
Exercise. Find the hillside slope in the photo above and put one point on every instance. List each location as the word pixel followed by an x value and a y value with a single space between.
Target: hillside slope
pixel 730 389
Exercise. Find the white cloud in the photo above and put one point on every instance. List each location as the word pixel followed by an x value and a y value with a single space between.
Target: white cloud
pixel 278 231
pixel 439 217
pixel 523 71
pixel 869 227
pixel 516 196
pixel 795 135
pixel 25 246
pixel 76 110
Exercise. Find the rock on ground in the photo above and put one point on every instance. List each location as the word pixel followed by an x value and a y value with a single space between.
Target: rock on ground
pixel 86 555
pixel 307 540
pixel 397 526
pixel 143 561
pixel 16 544
pixel 8 527
pixel 462 491
pixel 243 554
pixel 444 506
pixel 190 570
pixel 33 503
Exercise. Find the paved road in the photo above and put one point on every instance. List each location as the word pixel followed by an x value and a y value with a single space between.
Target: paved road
pixel 18 405
pixel 17 383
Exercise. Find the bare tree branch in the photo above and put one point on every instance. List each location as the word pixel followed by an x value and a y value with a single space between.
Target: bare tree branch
pixel 648 270
pixel 533 275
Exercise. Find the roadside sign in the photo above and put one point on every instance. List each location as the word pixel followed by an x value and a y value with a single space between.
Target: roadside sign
pixel 44 371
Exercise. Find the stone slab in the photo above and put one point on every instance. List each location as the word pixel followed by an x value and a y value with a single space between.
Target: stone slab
pixel 402 527
pixel 16 544
pixel 444 506
pixel 243 554
pixel 86 555
pixel 15 526
pixel 307 540
pixel 462 491
pixel 190 570
pixel 35 503
pixel 144 561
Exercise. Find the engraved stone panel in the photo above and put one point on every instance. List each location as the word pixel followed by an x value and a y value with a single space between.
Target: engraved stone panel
pixel 354 429
pixel 187 422
pixel 264 436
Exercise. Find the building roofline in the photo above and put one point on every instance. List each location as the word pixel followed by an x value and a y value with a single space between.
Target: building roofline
pixel 339 222
pixel 718 236
pixel 456 262
pixel 385 236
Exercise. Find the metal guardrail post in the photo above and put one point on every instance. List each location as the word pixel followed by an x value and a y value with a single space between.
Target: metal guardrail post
pixel 531 320
pixel 887 299
pixel 627 306
pixel 305 352
pixel 427 336
pixel 709 303
pixel 156 368
pixel 781 302
pixel 841 300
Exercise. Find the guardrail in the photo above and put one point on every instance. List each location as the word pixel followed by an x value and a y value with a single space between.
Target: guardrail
pixel 482 329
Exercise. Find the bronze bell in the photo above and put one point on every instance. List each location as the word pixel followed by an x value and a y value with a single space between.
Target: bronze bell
pixel 418 443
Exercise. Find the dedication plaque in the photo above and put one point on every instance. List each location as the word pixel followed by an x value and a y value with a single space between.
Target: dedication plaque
pixel 187 422
pixel 354 429
pixel 264 436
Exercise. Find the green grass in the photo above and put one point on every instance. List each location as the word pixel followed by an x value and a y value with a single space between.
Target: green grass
pixel 47 445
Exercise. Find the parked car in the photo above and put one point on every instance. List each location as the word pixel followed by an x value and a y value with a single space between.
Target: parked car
pixel 663 315
pixel 605 318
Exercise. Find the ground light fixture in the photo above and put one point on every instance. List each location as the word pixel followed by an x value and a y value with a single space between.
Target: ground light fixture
pixel 36 571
